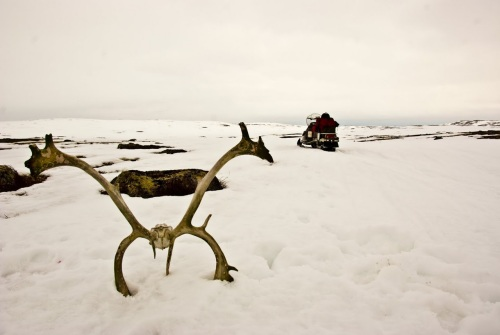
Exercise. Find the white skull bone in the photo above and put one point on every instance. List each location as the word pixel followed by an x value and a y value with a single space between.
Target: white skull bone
pixel 161 234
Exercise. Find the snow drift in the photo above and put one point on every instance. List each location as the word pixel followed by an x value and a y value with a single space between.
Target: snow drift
pixel 381 237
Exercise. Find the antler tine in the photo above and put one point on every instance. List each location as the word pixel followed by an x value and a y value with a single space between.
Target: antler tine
pixel 50 157
pixel 245 147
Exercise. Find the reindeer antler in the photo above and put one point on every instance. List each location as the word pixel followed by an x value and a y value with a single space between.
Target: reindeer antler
pixel 245 147
pixel 161 236
pixel 51 157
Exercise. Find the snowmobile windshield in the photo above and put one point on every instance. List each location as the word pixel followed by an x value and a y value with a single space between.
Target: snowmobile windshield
pixel 312 118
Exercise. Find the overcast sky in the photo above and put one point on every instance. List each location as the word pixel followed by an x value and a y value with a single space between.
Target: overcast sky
pixel 385 61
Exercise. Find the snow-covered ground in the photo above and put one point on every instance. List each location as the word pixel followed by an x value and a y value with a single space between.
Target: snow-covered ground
pixel 383 237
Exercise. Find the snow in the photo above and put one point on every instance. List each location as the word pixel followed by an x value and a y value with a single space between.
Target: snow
pixel 385 237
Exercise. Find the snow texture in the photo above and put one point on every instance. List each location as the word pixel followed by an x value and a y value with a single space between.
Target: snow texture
pixel 384 237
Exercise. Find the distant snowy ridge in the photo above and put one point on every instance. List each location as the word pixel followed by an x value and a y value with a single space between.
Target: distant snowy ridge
pixel 482 123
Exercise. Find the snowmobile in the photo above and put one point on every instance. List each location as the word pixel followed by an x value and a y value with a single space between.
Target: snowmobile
pixel 320 133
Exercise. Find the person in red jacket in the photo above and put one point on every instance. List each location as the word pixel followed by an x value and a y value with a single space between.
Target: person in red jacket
pixel 326 124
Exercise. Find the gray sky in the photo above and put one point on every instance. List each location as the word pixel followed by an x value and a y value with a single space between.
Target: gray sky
pixel 372 61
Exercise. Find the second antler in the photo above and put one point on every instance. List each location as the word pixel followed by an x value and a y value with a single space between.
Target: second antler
pixel 161 236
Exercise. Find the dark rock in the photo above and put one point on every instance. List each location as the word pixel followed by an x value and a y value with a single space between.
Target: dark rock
pixel 149 184
pixel 10 180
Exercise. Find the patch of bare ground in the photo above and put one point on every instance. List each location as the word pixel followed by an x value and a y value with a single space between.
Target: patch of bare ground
pixel 171 151
pixel 21 140
pixel 479 134
pixel 136 146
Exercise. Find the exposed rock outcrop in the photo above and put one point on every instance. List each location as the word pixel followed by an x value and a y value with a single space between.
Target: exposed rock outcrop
pixel 11 180
pixel 149 184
